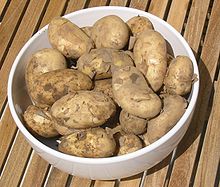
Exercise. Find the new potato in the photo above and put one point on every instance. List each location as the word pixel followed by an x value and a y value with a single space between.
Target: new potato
pixel 104 86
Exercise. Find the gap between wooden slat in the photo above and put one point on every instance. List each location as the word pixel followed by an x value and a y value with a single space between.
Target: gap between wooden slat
pixel 3 8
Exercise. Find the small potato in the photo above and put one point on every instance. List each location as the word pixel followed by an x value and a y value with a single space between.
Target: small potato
pixel 104 86
pixel 87 30
pixel 91 143
pixel 53 85
pixel 39 123
pixel 43 61
pixel 132 124
pixel 99 63
pixel 83 109
pixel 111 32
pixel 150 57
pixel 68 38
pixel 179 76
pixel 139 24
pixel 174 107
pixel 129 143
pixel 133 94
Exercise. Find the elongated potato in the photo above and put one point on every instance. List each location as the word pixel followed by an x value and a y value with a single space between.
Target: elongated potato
pixel 104 86
pixel 99 63
pixel 83 109
pixel 39 123
pixel 111 32
pixel 174 107
pixel 179 76
pixel 43 61
pixel 132 124
pixel 68 38
pixel 129 143
pixel 150 57
pixel 139 24
pixel 91 143
pixel 53 85
pixel 133 94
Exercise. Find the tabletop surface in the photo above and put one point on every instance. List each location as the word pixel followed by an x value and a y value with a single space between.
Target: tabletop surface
pixel 195 162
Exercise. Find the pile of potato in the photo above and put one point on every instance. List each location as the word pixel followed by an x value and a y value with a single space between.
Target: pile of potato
pixel 106 90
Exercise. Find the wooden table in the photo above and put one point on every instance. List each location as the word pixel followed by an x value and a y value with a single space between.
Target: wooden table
pixel 195 162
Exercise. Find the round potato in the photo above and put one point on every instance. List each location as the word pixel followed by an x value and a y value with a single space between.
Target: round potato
pixel 99 63
pixel 52 85
pixel 63 130
pixel 91 143
pixel 111 32
pixel 87 30
pixel 43 61
pixel 104 86
pixel 133 94
pixel 150 57
pixel 68 38
pixel 129 143
pixel 139 24
pixel 39 123
pixel 174 107
pixel 132 124
pixel 179 76
pixel 83 109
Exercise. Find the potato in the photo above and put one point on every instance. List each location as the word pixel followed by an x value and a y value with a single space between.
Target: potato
pixel 43 61
pixel 99 63
pixel 111 32
pixel 104 86
pixel 132 124
pixel 129 143
pixel 51 86
pixel 68 38
pixel 132 93
pixel 91 143
pixel 83 109
pixel 38 122
pixel 179 76
pixel 87 30
pixel 63 130
pixel 150 57
pixel 174 107
pixel 139 24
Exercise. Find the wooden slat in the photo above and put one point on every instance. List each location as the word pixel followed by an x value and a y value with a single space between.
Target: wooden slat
pixel 9 24
pixel 15 165
pixel 94 3
pixel 139 4
pixel 37 166
pixel 118 2
pixel 158 7
pixel 207 168
pixel 187 149
pixel 2 5
pixel 78 182
pixel 74 5
pixel 104 183
pixel 177 13
pixel 131 181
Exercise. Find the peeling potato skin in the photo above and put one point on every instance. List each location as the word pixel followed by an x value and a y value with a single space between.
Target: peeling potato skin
pixel 132 93
pixel 52 85
pixel 83 109
pixel 104 86
pixel 179 76
pixel 129 143
pixel 132 124
pixel 68 38
pixel 174 107
pixel 139 24
pixel 150 57
pixel 99 63
pixel 91 143
pixel 41 62
pixel 111 32
pixel 39 123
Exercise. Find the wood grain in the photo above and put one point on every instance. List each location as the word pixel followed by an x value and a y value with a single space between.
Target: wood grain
pixel 78 182
pixel 131 181
pixel 139 4
pixel 2 6
pixel 118 2
pixel 99 183
pixel 74 5
pixel 158 7
pixel 94 3
pixel 188 147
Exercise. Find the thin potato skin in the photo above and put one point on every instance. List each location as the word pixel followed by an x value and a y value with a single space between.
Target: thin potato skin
pixel 52 85
pixel 104 86
pixel 133 94
pixel 150 57
pixel 39 123
pixel 174 107
pixel 68 38
pixel 179 76
pixel 91 143
pixel 83 109
pixel 111 32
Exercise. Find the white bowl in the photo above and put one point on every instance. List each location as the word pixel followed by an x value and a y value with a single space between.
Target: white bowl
pixel 99 168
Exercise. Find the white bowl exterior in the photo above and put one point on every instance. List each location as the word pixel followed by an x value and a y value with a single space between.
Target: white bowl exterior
pixel 106 168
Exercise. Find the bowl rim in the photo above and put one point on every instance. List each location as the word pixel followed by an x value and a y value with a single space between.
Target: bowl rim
pixel 114 159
